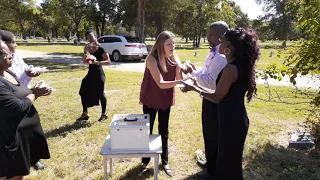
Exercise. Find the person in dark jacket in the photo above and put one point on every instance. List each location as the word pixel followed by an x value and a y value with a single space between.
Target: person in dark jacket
pixel 22 140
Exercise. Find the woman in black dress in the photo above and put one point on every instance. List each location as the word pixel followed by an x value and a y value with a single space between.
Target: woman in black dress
pixel 234 82
pixel 22 141
pixel 92 86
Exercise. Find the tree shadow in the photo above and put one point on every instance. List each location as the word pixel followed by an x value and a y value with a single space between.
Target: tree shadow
pixel 75 55
pixel 135 174
pixel 192 177
pixel 58 65
pixel 280 163
pixel 65 129
pixel 51 43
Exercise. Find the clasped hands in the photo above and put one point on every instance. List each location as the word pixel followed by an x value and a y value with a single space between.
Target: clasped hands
pixel 190 83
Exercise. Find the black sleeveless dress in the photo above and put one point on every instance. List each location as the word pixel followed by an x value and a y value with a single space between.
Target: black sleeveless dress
pixel 233 124
pixel 92 86
pixel 20 130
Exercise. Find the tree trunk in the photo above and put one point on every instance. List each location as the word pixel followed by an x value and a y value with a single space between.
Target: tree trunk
pixel 199 40
pixel 57 33
pixel 140 20
pixel 103 23
pixel 187 39
pixel 77 30
pixel 159 24
pixel 23 31
pixel 285 25
pixel 97 30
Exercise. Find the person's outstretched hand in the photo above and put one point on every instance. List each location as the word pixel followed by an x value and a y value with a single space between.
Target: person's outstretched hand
pixel 41 91
pixel 31 73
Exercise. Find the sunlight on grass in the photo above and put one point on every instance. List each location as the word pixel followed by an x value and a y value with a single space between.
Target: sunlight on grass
pixel 75 147
pixel 183 50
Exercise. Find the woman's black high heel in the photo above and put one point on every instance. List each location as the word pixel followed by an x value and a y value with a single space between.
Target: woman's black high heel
pixel 83 117
pixel 103 117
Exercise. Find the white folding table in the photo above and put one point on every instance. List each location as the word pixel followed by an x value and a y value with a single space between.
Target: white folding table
pixel 155 149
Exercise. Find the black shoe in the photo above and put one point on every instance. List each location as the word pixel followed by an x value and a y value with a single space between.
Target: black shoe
pixel 144 169
pixel 103 117
pixel 83 117
pixel 168 170
pixel 39 166
pixel 203 176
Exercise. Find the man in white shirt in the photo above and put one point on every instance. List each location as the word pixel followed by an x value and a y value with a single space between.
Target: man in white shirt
pixel 20 69
pixel 207 77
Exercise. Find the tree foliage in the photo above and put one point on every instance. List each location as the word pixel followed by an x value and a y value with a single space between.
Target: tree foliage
pixel 21 12
pixel 280 17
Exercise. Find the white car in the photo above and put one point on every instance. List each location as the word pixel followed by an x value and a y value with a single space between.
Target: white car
pixel 123 47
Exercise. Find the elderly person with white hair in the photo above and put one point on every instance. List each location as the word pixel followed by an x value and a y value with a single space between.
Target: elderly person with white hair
pixel 22 140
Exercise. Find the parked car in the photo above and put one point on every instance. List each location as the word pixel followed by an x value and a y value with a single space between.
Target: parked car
pixel 123 47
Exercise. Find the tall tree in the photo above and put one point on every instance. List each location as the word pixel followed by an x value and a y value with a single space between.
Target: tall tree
pixel 304 58
pixel 19 12
pixel 280 16
pixel 140 20
pixel 76 9
pixel 107 11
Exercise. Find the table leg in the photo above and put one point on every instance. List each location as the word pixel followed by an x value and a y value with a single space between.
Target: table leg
pixel 156 166
pixel 105 167
pixel 111 166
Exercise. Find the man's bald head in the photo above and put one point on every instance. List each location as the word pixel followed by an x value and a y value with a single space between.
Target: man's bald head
pixel 216 31
pixel 220 27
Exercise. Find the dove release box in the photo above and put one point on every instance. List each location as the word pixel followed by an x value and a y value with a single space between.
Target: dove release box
pixel 130 132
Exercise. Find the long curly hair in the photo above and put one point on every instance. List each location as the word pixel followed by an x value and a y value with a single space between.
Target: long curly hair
pixel 246 52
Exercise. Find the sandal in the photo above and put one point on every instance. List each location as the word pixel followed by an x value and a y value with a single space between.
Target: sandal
pixel 83 117
pixel 167 170
pixel 103 117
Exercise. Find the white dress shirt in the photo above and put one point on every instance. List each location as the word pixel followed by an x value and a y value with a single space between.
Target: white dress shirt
pixel 213 65
pixel 18 68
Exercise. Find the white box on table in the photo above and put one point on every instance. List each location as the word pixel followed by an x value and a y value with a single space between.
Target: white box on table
pixel 130 132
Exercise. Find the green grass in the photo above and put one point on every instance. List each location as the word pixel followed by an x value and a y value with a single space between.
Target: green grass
pixel 75 147
pixel 184 51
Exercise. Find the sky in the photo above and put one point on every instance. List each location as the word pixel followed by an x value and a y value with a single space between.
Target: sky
pixel 250 7
pixel 247 6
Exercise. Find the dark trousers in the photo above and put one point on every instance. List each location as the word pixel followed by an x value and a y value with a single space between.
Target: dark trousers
pixel 103 101
pixel 163 128
pixel 232 135
pixel 224 137
pixel 210 134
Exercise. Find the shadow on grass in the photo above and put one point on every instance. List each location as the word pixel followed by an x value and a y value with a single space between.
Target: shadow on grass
pixel 47 44
pixel 193 177
pixel 63 65
pixel 280 163
pixel 135 174
pixel 64 130
pixel 75 55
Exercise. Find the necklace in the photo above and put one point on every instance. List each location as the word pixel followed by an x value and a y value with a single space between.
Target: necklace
pixel 231 60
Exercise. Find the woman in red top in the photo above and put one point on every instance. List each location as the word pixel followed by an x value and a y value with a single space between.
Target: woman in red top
pixel 161 75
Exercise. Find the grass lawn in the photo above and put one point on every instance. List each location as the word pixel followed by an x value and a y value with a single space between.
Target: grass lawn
pixel 184 51
pixel 75 147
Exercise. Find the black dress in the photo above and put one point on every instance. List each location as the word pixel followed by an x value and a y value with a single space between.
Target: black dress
pixel 233 124
pixel 92 86
pixel 20 129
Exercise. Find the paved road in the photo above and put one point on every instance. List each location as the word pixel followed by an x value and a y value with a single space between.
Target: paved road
pixel 302 81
